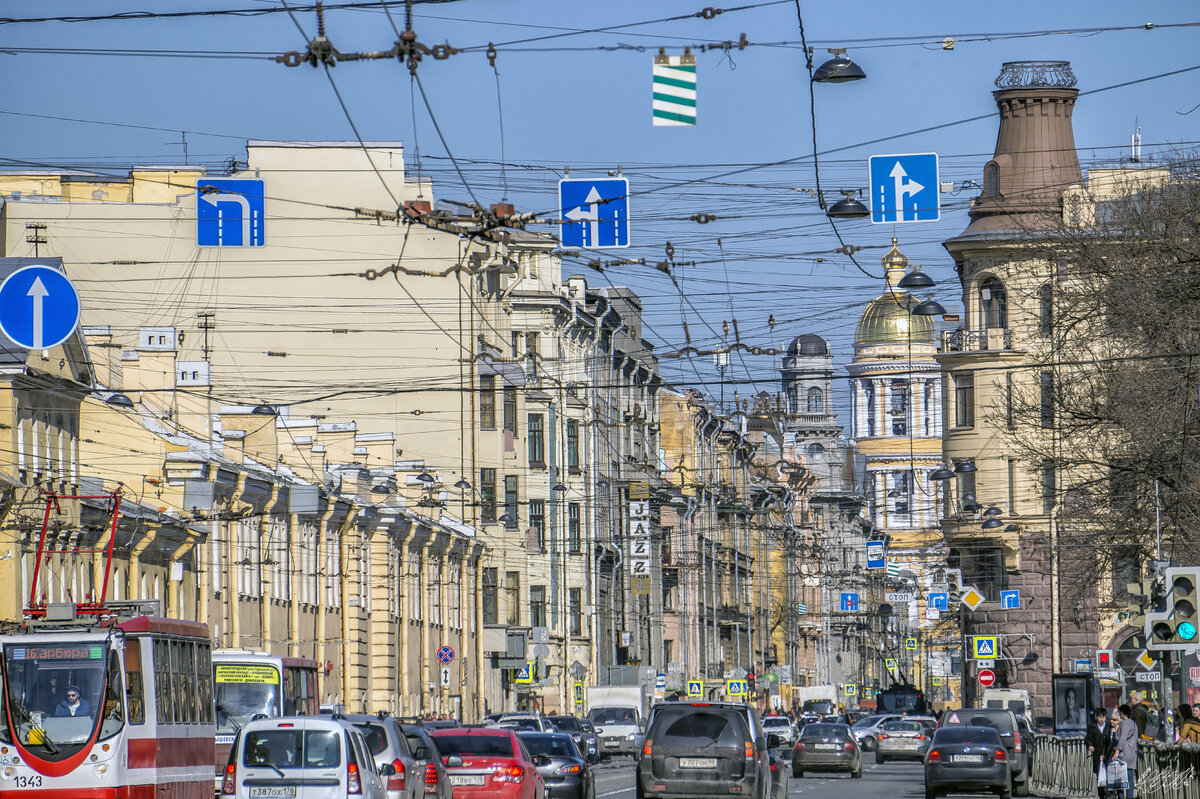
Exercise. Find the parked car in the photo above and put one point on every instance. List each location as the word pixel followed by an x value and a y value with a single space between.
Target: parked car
pixel 866 729
pixel 780 776
pixel 428 759
pixel 1005 723
pixel 967 757
pixel 902 739
pixel 591 737
pixel 440 724
pixel 780 726
pixel 308 757
pixel 388 744
pixel 824 746
pixel 574 727
pixel 701 750
pixel 563 768
pixel 488 762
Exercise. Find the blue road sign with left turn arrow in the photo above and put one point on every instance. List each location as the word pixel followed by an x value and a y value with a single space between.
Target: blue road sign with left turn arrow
pixel 230 213
pixel 39 307
pixel 904 188
pixel 595 213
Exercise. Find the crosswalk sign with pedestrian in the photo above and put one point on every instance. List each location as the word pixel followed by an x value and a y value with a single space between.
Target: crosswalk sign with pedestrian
pixel 985 646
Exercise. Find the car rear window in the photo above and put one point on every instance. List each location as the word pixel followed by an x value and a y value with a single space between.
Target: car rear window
pixel 566 723
pixel 291 748
pixel 481 745
pixel 376 736
pixel 521 724
pixel 867 722
pixel 1001 720
pixel 966 735
pixel 552 745
pixel 902 726
pixel 686 726
pixel 773 721
pixel 825 730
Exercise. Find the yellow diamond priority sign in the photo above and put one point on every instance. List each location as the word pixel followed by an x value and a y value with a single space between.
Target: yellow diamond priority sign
pixel 972 598
pixel 1146 661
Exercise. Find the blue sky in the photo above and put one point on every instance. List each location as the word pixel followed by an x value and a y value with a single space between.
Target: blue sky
pixel 583 100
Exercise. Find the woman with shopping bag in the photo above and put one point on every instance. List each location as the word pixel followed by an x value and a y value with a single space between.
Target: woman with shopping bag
pixel 1121 770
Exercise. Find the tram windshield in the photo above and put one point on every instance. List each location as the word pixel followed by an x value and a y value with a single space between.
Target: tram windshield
pixel 57 693
pixel 244 691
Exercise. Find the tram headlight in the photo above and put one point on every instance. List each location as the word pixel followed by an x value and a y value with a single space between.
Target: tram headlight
pixel 9 772
pixel 100 770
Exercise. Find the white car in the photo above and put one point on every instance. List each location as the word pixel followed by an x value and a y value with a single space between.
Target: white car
pixel 866 730
pixel 302 757
pixel 780 726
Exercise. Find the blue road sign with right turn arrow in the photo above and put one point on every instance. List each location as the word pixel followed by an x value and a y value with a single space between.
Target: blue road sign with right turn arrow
pixel 595 213
pixel 39 307
pixel 904 188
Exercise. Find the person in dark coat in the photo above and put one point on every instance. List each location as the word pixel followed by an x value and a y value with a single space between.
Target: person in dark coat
pixel 74 704
pixel 1095 739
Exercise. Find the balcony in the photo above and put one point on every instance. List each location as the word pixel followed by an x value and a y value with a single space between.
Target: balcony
pixel 962 340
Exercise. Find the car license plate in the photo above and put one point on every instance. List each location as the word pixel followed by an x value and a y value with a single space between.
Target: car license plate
pixel 826 747
pixel 272 792
pixel 968 758
pixel 466 779
pixel 697 762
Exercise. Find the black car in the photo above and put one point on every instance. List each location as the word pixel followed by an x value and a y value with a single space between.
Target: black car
pixel 967 758
pixel 1005 723
pixel 564 770
pixel 826 747
pixel 583 741
pixel 702 751
pixel 428 761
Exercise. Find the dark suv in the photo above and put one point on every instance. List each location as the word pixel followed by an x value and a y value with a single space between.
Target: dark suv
pixel 702 750
pixel 1005 723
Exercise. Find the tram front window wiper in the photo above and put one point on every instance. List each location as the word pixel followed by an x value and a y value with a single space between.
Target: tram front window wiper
pixel 23 715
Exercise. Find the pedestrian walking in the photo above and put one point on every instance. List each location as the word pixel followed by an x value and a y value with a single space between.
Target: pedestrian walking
pixel 1187 725
pixel 1096 744
pixel 1126 748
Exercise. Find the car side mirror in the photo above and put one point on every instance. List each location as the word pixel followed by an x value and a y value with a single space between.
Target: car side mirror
pixel 454 761
pixel 599 730
pixel 639 741
pixel 541 760
pixel 923 748
pixel 773 741
pixel 760 743
pixel 387 770
pixel 593 759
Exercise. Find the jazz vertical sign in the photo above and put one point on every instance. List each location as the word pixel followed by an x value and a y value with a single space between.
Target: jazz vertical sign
pixel 639 539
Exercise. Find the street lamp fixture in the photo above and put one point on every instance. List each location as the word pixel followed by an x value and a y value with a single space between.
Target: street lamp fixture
pixel 263 409
pixel 119 400
pixel 991 523
pixel 964 467
pixel 930 307
pixel 559 488
pixel 1012 528
pixel 849 207
pixel 941 473
pixel 839 69
pixel 993 511
pixel 972 507
pixel 425 477
pixel 916 279
pixel 462 485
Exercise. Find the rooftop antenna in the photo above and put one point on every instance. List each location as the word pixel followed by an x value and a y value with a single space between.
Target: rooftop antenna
pixel 1135 143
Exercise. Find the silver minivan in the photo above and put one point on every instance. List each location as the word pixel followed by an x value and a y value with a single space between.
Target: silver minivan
pixel 302 757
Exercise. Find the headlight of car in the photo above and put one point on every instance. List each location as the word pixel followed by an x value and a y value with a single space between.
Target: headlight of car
pixel 631 736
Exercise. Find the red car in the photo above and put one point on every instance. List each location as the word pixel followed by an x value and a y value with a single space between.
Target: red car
pixel 488 762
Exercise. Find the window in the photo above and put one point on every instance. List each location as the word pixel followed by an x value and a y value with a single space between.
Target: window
pixel 993 304
pixel 574 539
pixel 1126 569
pixel 511 502
pixel 537 440
pixel 1008 401
pixel 1046 309
pixel 487 495
pixel 1049 486
pixel 966 485
pixel 135 687
pixel 792 401
pixel 537 521
pixel 512 597
pixel 510 408
pixel 982 568
pixel 537 606
pixel 964 399
pixel 487 401
pixel 991 179
pixel 899 409
pixel 531 354
pixel 816 400
pixel 927 407
pixel 576 611
pixel 869 401
pixel 1046 382
pixel 816 452
pixel 573 446
pixel 491 595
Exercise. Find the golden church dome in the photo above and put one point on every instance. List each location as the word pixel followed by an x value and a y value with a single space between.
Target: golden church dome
pixel 887 319
pixel 894 259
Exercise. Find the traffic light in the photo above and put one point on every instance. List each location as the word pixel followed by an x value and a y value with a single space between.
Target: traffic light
pixel 1104 659
pixel 1175 626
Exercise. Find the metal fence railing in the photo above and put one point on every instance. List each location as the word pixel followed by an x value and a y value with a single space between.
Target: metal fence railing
pixel 1061 768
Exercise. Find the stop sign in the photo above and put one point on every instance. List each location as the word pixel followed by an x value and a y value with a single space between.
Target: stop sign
pixel 987 678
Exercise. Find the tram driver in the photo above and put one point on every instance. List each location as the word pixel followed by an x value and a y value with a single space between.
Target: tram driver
pixel 74 704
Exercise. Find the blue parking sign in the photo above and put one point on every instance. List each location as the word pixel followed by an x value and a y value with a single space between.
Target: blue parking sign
pixel 904 188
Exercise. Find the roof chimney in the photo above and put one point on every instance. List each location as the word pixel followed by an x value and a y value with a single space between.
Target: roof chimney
pixel 1035 157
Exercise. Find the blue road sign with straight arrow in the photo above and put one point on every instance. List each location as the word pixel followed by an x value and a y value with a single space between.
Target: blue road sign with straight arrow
pixel 595 212
pixel 39 307
pixel 904 188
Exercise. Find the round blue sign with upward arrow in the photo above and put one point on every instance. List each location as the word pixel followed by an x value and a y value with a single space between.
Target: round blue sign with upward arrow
pixel 39 307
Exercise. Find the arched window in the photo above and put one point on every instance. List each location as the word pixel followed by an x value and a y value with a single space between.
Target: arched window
pixel 993 304
pixel 927 407
pixel 869 401
pixel 816 400
pixel 899 409
pixel 1046 309
pixel 793 402
pixel 991 179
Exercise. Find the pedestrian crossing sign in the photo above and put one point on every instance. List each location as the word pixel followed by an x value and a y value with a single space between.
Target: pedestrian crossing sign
pixel 695 689
pixel 524 675
pixel 850 689
pixel 910 643
pixel 890 663
pixel 736 688
pixel 985 647
pixel 937 680
pixel 579 693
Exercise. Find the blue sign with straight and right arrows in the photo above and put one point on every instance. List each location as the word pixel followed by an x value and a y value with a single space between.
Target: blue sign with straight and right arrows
pixel 904 188
pixel 39 307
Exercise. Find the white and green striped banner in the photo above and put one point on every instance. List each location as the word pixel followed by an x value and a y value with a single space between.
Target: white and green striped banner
pixel 675 90
pixel 893 569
